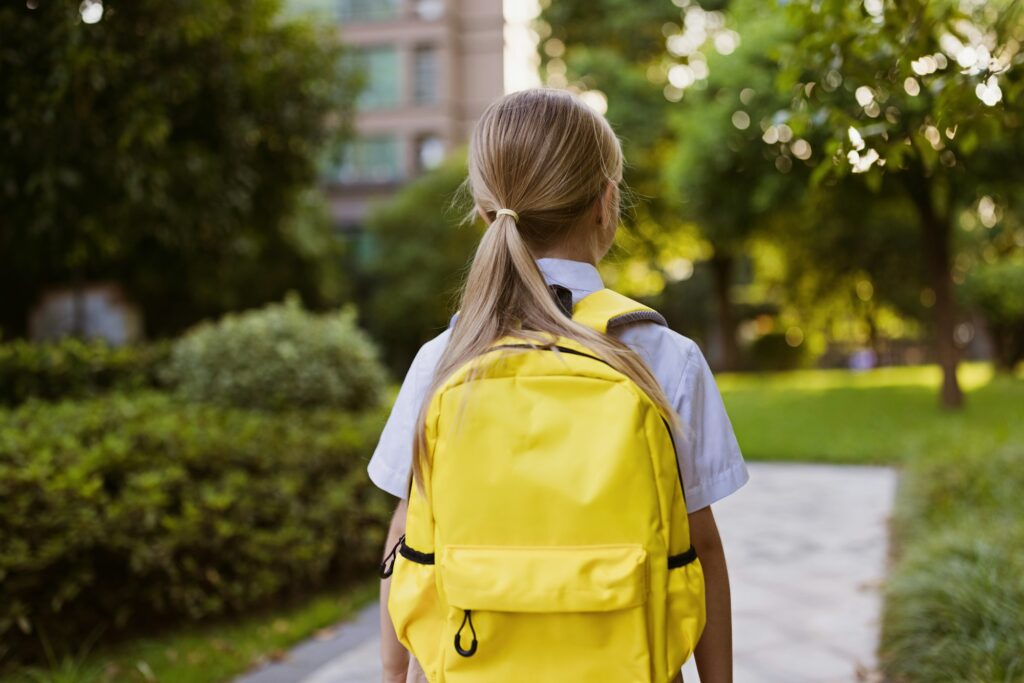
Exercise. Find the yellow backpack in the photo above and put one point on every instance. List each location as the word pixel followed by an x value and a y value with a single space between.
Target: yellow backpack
pixel 552 544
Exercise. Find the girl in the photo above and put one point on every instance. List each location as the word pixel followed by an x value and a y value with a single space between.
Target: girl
pixel 544 171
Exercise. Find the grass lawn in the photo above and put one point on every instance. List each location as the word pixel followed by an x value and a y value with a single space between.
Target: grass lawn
pixel 206 653
pixel 954 598
pixel 888 415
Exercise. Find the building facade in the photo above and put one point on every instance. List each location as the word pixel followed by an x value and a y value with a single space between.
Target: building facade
pixel 431 67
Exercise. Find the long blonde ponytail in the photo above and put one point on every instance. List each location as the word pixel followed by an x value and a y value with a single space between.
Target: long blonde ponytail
pixel 549 157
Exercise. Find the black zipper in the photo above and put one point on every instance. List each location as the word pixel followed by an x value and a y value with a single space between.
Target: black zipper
pixel 387 567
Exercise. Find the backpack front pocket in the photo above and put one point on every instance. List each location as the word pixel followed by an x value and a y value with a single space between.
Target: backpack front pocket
pixel 542 613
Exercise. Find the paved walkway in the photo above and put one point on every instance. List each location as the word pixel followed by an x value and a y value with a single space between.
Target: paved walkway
pixel 806 546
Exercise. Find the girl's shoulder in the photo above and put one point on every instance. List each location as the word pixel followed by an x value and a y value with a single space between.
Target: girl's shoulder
pixel 659 344
pixel 427 358
pixel 669 353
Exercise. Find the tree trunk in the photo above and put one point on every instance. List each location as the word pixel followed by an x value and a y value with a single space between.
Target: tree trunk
pixel 77 309
pixel 728 352
pixel 874 339
pixel 936 235
pixel 1007 346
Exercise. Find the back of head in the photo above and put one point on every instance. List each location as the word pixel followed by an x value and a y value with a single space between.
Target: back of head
pixel 549 157
pixel 551 160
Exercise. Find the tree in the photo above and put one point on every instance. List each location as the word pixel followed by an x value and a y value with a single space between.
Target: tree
pixel 674 76
pixel 919 99
pixel 719 174
pixel 168 146
pixel 412 289
pixel 616 48
pixel 853 241
pixel 997 291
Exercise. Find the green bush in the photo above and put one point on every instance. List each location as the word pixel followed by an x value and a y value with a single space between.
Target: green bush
pixel 279 357
pixel 996 290
pixel 418 257
pixel 130 509
pixel 73 368
pixel 772 352
pixel 954 607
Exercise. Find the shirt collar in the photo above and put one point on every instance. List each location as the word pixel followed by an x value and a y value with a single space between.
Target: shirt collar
pixel 578 277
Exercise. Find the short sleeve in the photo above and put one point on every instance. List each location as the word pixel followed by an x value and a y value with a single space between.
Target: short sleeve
pixel 391 462
pixel 711 461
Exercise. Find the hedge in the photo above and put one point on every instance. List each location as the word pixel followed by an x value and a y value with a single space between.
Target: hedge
pixel 954 608
pixel 74 368
pixel 134 508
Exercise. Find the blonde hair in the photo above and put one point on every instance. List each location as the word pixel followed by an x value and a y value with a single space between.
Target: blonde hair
pixel 548 157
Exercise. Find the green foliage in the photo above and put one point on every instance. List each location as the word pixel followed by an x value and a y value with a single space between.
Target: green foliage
pixel 955 600
pixel 610 45
pixel 76 368
pixel 67 667
pixel 936 128
pixel 279 357
pixel 692 166
pixel 724 177
pixel 916 100
pixel 996 290
pixel 772 352
pixel 167 147
pixel 955 609
pixel 133 508
pixel 413 287
pixel 850 234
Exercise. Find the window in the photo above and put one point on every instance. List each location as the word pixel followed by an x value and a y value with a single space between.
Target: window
pixel 429 10
pixel 367 10
pixel 374 159
pixel 380 68
pixel 344 10
pixel 425 75
pixel 429 152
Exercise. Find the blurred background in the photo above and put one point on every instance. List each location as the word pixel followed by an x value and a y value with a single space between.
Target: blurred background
pixel 226 227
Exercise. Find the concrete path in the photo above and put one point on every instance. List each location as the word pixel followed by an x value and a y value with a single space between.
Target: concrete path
pixel 806 546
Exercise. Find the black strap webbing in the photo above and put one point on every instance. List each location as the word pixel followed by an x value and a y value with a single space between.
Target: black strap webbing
pixel 682 559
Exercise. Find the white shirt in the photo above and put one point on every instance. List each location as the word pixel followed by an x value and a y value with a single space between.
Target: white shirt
pixel 710 458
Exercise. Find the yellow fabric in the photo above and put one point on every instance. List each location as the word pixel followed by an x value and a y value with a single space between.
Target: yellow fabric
pixel 597 308
pixel 545 578
pixel 552 503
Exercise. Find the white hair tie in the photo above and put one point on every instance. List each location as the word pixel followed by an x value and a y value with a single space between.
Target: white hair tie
pixel 507 212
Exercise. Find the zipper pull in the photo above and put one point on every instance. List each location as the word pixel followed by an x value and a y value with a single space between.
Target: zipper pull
pixel 467 617
pixel 387 567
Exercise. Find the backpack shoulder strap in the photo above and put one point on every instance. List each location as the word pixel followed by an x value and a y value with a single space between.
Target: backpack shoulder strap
pixel 604 310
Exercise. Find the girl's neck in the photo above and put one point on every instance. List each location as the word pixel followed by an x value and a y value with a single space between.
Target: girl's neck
pixel 568 255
